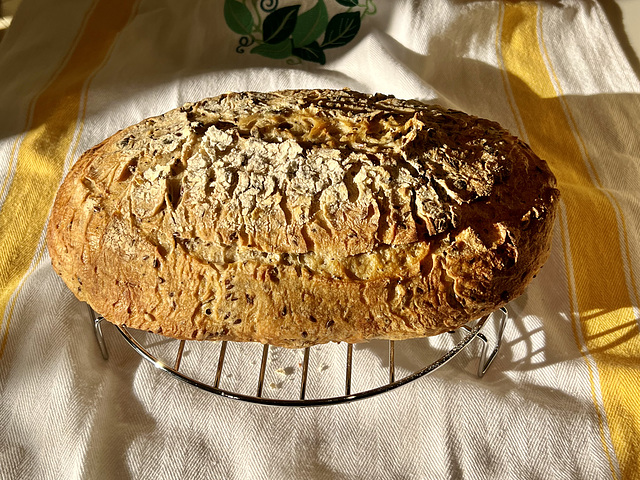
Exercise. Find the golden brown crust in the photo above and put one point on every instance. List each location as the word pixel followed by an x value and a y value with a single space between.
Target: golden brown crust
pixel 302 217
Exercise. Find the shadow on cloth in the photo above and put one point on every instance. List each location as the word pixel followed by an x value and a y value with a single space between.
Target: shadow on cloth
pixel 538 346
pixel 153 43
pixel 120 416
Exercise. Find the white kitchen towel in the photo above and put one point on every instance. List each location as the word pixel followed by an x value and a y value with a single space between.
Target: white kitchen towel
pixel 560 400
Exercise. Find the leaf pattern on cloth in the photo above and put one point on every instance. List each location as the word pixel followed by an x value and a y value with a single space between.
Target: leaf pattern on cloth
pixel 238 17
pixel 285 33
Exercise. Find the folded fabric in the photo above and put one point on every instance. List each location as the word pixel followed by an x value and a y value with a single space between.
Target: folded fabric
pixel 561 398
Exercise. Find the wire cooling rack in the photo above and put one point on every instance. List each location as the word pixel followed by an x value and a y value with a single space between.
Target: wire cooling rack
pixel 336 378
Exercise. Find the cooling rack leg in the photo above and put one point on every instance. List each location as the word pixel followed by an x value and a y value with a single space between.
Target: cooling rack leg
pixel 347 383
pixel 176 365
pixel 392 362
pixel 305 372
pixel 263 368
pixel 486 357
pixel 97 329
pixel 223 349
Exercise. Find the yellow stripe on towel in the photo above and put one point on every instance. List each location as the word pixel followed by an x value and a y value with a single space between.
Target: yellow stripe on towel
pixel 48 141
pixel 608 331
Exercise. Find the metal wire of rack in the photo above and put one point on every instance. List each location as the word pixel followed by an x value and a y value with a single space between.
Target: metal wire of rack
pixel 470 332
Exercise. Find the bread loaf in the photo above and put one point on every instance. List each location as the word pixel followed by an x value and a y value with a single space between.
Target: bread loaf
pixel 302 217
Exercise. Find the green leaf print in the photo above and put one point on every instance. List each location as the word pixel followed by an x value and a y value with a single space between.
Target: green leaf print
pixel 342 28
pixel 238 17
pixel 274 50
pixel 311 52
pixel 278 25
pixel 310 24
pixel 285 33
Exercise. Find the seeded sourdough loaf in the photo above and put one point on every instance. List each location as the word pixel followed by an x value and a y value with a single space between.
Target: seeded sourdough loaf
pixel 301 217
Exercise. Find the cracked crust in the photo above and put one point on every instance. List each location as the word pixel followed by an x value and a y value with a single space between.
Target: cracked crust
pixel 301 217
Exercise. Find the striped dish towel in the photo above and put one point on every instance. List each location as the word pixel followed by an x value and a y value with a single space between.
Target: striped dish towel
pixel 562 399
